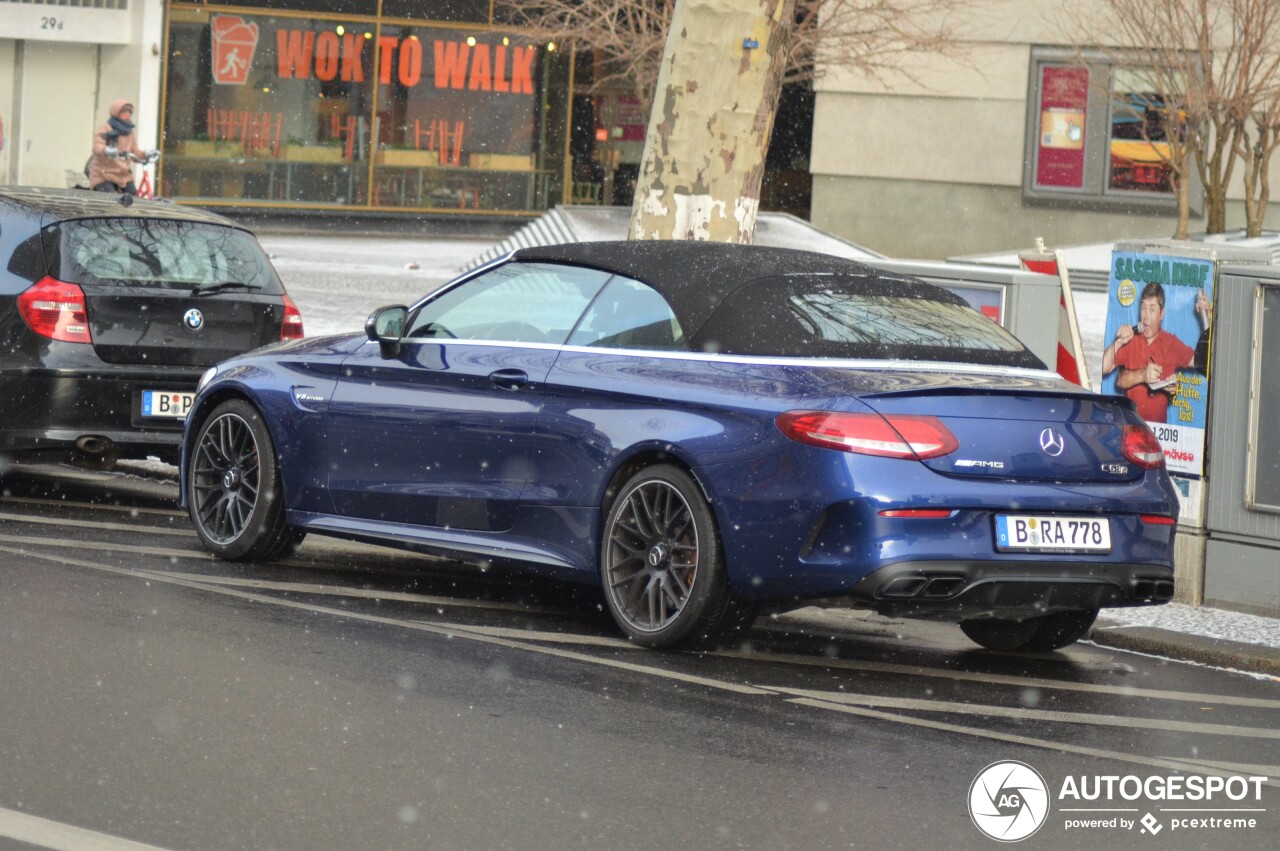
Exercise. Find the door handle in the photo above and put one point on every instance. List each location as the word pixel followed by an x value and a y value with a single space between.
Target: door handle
pixel 509 379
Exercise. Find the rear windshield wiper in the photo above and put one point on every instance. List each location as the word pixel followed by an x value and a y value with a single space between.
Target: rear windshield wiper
pixel 225 286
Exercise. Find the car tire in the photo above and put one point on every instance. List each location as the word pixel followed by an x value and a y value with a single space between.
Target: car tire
pixel 1047 632
pixel 233 487
pixel 1061 629
pixel 662 565
pixel 1000 634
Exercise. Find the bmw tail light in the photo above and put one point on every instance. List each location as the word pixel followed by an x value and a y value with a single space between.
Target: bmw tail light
pixel 291 327
pixel 56 310
pixel 888 436
pixel 1140 446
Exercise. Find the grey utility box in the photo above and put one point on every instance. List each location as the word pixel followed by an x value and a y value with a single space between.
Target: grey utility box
pixel 1025 303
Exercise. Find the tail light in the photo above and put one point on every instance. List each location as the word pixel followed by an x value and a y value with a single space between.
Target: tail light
pixel 917 513
pixel 55 310
pixel 1158 519
pixel 1140 446
pixel 889 436
pixel 291 327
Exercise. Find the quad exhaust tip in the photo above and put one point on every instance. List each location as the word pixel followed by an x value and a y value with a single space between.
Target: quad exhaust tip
pixel 930 585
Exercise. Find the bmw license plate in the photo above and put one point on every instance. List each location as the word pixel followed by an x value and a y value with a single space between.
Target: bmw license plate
pixel 166 404
pixel 1031 533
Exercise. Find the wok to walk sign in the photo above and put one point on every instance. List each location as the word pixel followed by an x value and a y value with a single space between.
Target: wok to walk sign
pixel 498 64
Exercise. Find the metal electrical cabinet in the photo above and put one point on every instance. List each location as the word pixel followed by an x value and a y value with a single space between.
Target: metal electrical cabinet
pixel 1242 551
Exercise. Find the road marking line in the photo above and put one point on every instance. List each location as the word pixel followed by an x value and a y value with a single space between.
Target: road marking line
pixel 999 679
pixel 1235 767
pixel 989 711
pixel 62 837
pixel 1120 756
pixel 552 637
pixel 131 549
pixel 361 593
pixel 421 626
pixel 91 524
pixel 449 631
pixel 95 506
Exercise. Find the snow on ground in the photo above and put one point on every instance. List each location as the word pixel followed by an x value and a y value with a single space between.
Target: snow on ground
pixel 1198 620
pixel 338 281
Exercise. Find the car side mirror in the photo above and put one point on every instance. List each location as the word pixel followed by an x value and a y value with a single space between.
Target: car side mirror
pixel 385 326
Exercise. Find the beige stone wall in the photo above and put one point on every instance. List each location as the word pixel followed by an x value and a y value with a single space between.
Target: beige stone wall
pixel 6 106
pixel 56 117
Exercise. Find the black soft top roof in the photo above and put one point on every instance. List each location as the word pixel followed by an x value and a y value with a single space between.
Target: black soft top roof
pixel 64 204
pixel 695 277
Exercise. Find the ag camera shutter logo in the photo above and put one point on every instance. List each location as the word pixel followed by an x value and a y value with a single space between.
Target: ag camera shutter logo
pixel 1008 801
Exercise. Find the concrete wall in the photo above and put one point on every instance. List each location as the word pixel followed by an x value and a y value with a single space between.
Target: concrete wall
pixel 929 162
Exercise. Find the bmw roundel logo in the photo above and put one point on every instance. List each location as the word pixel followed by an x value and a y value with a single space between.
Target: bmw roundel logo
pixel 1052 443
pixel 193 319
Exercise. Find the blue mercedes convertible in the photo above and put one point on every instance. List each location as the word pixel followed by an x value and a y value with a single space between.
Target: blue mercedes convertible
pixel 701 430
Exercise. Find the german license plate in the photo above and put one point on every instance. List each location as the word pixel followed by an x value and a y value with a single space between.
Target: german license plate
pixel 166 404
pixel 1032 533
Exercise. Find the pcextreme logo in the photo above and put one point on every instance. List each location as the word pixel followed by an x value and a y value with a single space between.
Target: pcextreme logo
pixel 1009 801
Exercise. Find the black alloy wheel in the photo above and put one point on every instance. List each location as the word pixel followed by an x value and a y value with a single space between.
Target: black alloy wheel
pixel 662 566
pixel 234 493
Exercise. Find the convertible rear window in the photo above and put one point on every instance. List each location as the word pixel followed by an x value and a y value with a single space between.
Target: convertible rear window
pixel 838 316
pixel 156 253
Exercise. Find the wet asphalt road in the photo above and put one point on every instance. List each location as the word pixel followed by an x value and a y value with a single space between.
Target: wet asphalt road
pixel 358 697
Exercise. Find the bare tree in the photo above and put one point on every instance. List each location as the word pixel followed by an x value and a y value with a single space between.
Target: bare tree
pixel 717 94
pixel 1206 62
pixel 628 36
pixel 1257 115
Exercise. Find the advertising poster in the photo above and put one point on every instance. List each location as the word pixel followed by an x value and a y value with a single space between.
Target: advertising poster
pixel 1159 312
pixel 1060 155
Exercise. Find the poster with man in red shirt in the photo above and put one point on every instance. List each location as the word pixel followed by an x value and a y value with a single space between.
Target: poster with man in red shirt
pixel 1158 318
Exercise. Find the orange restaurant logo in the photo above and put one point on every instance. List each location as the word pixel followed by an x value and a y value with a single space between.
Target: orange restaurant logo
pixel 233 44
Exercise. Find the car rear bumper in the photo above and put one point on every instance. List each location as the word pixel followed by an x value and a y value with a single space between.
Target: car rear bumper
pixel 55 410
pixel 963 590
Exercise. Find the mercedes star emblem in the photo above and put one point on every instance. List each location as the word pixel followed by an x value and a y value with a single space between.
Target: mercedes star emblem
pixel 1051 442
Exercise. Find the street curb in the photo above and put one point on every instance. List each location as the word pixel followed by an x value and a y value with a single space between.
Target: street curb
pixel 1220 653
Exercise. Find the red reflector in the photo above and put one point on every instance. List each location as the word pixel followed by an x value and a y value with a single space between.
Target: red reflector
pixel 55 310
pixel 921 513
pixel 889 436
pixel 291 327
pixel 1158 520
pixel 1140 446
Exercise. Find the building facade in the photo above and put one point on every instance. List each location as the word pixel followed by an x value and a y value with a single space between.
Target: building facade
pixel 363 105
pixel 1010 140
pixel 62 63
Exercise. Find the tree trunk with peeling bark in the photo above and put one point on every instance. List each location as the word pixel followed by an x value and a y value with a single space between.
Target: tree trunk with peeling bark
pixel 712 117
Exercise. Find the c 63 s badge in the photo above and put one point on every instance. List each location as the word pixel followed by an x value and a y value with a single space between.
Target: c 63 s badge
pixel 1116 469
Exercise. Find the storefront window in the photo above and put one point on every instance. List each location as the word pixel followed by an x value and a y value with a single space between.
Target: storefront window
pixel 1139 147
pixel 268 109
pixel 459 123
pixel 1097 136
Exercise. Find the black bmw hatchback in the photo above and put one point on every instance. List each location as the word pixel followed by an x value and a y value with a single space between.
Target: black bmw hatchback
pixel 109 313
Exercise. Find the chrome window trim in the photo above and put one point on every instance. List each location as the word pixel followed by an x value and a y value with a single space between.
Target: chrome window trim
pixel 758 360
